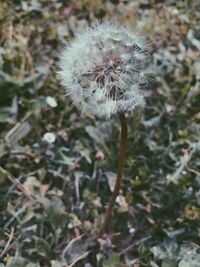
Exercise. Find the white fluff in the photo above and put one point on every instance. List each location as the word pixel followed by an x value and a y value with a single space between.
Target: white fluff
pixel 105 70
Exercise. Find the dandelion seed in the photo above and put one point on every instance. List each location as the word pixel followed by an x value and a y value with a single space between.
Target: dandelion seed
pixel 104 70
pixel 49 137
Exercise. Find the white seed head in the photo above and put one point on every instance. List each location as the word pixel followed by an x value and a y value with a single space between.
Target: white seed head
pixel 105 70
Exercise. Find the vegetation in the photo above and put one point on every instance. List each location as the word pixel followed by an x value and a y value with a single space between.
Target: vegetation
pixel 53 191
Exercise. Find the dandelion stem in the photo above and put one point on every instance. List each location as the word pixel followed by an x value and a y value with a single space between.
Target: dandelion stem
pixel 121 159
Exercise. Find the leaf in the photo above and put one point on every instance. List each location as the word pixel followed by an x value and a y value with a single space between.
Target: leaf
pixel 153 122
pixel 173 234
pixel 112 177
pixel 5 115
pixel 192 39
pixel 188 252
pixel 67 160
pixel 2 149
pixel 99 133
pixel 55 263
pixel 84 152
pixel 17 133
pixel 197 69
pixel 33 5
pixel 43 247
pixel 183 263
pixel 93 133
pixel 169 263
pixel 2 174
pixel 170 247
pixel 56 213
pixel 77 249
pixel 158 252
pixel 16 261
pixel 32 265
pixel 14 107
pixel 113 260
pixel 153 264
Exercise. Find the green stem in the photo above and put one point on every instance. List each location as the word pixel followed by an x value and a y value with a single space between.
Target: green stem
pixel 121 160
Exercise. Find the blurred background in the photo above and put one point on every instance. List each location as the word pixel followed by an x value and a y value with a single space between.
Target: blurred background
pixel 58 166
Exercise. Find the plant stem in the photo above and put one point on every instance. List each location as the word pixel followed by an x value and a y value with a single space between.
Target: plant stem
pixel 121 159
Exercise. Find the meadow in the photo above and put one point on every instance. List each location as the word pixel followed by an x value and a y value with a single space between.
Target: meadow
pixel 58 166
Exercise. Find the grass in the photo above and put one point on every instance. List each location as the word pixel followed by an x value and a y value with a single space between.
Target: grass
pixel 156 219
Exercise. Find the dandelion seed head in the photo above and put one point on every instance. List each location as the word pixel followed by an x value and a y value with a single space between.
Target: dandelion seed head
pixel 105 70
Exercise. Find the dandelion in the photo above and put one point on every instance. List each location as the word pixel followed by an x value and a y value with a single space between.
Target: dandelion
pixel 49 137
pixel 106 71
